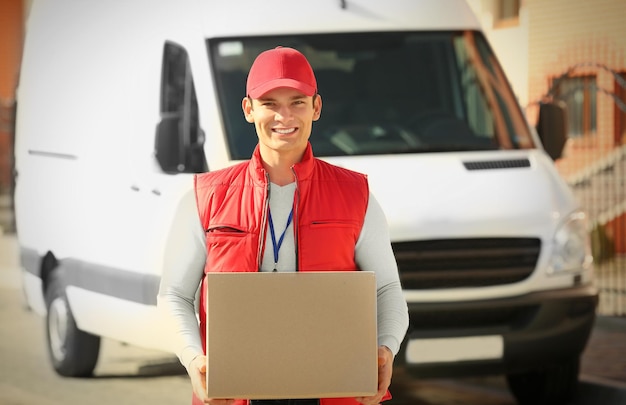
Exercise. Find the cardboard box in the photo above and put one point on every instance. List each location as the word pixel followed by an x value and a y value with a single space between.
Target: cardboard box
pixel 291 335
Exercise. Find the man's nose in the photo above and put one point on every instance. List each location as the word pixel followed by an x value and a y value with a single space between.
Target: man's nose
pixel 282 113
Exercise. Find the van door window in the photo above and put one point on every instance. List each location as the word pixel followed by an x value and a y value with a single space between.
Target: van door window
pixel 179 139
pixel 386 92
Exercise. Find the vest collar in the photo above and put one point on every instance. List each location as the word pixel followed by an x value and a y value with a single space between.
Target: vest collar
pixel 303 169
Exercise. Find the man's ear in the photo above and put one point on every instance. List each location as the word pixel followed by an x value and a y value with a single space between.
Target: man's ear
pixel 246 106
pixel 317 107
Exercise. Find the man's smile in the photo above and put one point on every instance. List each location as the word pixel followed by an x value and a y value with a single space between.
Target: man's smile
pixel 285 131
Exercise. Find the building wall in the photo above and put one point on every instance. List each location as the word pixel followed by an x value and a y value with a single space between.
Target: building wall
pixel 11 34
pixel 552 38
pixel 564 33
pixel 589 37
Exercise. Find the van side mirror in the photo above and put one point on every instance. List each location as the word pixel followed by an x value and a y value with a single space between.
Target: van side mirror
pixel 168 149
pixel 175 149
pixel 179 140
pixel 552 128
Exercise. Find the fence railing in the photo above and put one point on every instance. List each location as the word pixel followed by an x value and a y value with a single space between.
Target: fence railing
pixel 596 171
pixel 601 189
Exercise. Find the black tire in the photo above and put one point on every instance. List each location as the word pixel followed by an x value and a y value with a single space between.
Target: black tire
pixel 73 353
pixel 554 385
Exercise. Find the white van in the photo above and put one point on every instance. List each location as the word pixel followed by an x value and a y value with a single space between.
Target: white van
pixel 119 103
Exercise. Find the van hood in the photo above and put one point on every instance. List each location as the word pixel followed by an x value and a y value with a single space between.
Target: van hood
pixel 469 194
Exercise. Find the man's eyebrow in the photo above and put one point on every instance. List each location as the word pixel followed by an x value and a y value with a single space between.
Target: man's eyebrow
pixel 300 97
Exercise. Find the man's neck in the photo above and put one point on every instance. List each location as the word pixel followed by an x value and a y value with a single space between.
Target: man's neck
pixel 279 166
pixel 280 174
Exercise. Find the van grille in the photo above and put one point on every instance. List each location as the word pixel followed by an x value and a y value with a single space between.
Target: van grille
pixel 456 263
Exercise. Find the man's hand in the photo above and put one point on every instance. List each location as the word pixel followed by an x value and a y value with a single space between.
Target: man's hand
pixel 385 370
pixel 197 374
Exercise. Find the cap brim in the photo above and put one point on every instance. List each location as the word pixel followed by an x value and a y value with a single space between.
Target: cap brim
pixel 266 87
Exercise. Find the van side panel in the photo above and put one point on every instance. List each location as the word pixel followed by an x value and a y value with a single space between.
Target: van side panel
pixel 88 190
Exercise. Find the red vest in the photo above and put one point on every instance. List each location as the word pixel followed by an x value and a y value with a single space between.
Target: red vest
pixel 329 209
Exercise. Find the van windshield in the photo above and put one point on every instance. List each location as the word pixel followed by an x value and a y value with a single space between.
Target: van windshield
pixel 385 93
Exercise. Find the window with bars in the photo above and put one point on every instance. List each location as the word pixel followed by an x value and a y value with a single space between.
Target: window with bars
pixel 580 95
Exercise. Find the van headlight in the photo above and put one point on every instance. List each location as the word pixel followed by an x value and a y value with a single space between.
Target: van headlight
pixel 572 247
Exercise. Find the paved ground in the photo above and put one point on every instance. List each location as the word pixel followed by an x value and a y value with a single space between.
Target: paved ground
pixel 6 214
pixel 605 356
pixel 603 367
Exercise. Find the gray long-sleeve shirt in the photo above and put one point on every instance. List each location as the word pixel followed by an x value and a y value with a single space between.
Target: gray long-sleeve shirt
pixel 185 259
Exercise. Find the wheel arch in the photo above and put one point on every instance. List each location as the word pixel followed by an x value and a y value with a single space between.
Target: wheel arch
pixel 49 264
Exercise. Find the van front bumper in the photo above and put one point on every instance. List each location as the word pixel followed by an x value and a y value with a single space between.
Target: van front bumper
pixel 500 336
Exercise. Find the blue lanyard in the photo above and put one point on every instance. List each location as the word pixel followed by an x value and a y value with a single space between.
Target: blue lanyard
pixel 282 236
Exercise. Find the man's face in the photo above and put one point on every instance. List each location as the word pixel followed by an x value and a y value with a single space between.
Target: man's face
pixel 283 119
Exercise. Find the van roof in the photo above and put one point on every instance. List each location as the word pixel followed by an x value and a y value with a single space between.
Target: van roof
pixel 276 17
pixel 240 18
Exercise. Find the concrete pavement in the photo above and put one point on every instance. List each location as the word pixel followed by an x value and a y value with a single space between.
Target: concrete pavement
pixel 603 365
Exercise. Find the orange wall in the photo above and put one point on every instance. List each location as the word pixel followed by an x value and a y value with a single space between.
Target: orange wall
pixel 11 32
pixel 11 39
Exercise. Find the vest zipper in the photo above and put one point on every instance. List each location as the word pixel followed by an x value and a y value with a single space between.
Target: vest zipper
pixel 263 222
pixel 296 221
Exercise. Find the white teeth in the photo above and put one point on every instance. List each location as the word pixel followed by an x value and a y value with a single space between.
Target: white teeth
pixel 285 131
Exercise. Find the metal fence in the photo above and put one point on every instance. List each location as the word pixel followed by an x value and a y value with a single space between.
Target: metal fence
pixel 601 188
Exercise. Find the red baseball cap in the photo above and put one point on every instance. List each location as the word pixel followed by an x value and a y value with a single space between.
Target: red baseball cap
pixel 280 67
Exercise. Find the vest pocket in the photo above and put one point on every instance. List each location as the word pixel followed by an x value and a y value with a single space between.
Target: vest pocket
pixel 329 244
pixel 332 224
pixel 230 248
pixel 330 231
pixel 225 237
pixel 225 230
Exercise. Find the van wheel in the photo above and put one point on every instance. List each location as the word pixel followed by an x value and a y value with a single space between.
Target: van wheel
pixel 554 385
pixel 73 353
